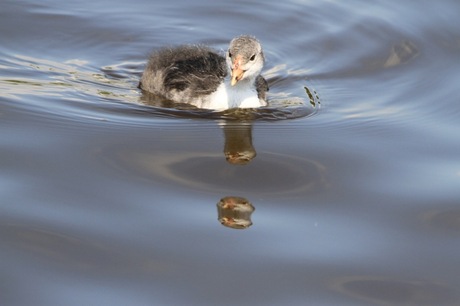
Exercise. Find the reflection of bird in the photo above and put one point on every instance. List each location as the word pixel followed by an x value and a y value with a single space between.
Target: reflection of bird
pixel 195 74
pixel 238 147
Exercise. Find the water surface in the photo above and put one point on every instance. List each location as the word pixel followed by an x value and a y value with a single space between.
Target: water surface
pixel 108 201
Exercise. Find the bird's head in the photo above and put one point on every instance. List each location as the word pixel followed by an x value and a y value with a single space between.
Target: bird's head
pixel 245 58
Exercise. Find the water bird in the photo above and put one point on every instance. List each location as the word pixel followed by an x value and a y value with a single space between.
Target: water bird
pixel 200 76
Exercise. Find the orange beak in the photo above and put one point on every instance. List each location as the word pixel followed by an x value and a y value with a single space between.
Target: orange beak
pixel 237 72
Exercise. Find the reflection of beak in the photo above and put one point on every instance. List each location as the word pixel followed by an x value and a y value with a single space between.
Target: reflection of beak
pixel 240 158
pixel 237 72
pixel 235 212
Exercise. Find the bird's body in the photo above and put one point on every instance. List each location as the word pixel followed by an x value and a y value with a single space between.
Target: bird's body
pixel 197 75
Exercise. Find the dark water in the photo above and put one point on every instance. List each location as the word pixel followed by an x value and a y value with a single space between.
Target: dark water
pixel 105 201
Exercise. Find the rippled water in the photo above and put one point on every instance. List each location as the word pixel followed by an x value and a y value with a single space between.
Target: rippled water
pixel 107 200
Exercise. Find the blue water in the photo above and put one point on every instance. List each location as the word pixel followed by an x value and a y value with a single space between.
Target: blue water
pixel 107 201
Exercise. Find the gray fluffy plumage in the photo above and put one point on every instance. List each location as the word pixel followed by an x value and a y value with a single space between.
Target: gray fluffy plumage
pixel 188 74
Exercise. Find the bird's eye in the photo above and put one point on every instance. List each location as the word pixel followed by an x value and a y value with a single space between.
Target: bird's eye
pixel 253 57
pixel 229 54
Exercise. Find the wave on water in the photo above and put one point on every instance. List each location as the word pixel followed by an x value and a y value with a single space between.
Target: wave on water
pixel 76 79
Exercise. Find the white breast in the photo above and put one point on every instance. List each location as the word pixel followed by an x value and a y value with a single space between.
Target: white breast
pixel 227 96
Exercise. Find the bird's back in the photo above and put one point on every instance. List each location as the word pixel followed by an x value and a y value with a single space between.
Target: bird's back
pixel 184 74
